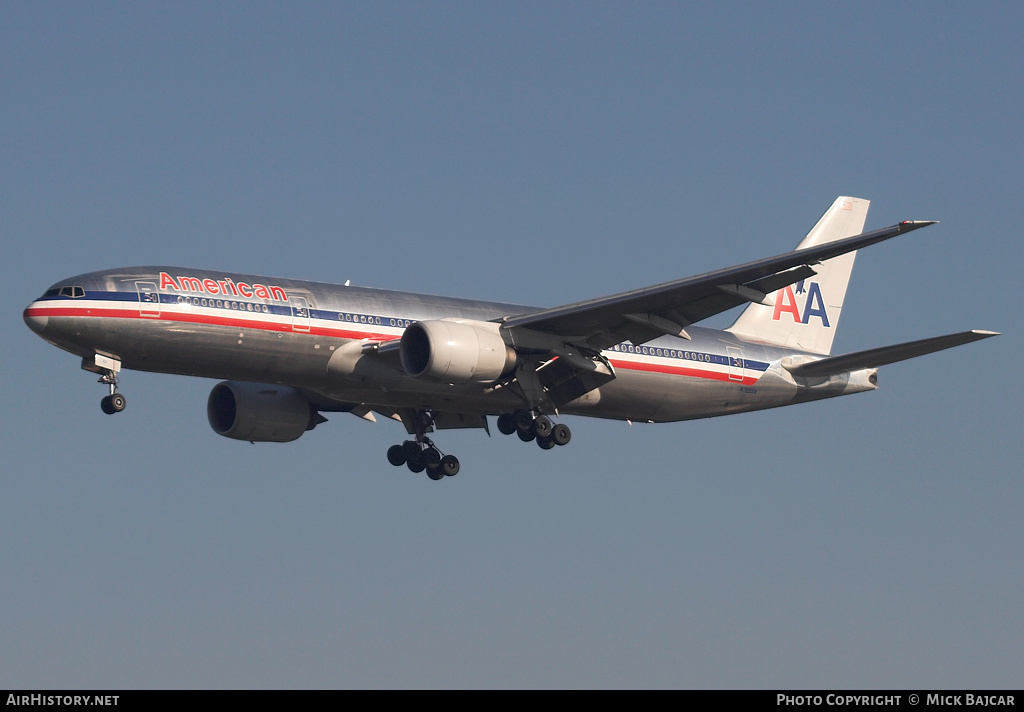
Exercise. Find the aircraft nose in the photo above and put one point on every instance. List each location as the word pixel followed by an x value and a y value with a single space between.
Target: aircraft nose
pixel 35 320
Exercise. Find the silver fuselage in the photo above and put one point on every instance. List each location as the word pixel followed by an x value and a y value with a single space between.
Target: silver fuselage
pixel 296 333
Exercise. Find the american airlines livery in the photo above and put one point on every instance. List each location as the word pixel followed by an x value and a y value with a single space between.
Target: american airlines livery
pixel 293 350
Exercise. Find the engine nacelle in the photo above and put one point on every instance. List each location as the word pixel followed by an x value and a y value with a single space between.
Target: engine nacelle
pixel 259 412
pixel 456 351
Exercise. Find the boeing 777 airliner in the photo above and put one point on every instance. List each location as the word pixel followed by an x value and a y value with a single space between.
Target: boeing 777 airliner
pixel 292 350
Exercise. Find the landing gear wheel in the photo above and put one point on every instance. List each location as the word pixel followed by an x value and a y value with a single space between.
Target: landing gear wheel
pixel 524 419
pixel 506 423
pixel 435 472
pixel 526 435
pixel 396 455
pixel 545 443
pixel 560 434
pixel 412 450
pixel 114 403
pixel 542 426
pixel 450 465
pixel 431 457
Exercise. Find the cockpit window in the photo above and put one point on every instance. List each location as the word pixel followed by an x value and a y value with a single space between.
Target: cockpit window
pixel 73 292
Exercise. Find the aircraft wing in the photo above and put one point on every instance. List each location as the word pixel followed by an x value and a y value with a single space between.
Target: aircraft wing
pixel 644 314
pixel 884 355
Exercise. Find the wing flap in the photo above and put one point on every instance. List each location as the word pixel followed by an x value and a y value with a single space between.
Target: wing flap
pixel 565 381
pixel 872 358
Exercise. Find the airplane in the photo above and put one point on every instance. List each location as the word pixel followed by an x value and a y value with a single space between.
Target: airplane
pixel 291 350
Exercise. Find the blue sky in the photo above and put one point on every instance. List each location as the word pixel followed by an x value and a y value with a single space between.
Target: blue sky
pixel 535 153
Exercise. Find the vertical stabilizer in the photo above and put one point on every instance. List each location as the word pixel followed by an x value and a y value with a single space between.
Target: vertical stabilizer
pixel 804 315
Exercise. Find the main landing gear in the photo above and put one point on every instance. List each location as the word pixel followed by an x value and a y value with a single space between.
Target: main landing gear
pixel 534 426
pixel 420 454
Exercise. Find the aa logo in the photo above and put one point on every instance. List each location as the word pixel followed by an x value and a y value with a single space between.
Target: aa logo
pixel 813 304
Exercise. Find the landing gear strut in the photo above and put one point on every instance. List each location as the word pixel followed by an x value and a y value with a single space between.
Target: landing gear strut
pixel 530 425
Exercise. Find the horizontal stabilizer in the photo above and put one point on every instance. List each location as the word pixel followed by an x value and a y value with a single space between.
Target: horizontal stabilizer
pixel 872 358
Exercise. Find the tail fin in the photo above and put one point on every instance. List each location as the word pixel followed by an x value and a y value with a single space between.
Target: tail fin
pixel 804 315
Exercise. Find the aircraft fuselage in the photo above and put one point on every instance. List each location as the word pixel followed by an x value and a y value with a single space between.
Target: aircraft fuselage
pixel 311 335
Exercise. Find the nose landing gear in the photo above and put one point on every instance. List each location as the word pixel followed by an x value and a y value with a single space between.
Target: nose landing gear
pixel 108 369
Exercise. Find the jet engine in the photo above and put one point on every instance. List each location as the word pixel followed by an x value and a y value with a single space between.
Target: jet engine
pixel 259 412
pixel 456 351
